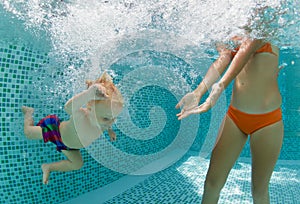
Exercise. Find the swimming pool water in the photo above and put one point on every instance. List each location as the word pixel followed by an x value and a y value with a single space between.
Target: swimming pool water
pixel 29 77
pixel 21 159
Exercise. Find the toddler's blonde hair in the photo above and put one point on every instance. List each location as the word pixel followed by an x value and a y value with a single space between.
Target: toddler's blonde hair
pixel 111 90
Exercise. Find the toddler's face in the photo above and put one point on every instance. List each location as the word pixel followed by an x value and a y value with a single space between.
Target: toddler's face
pixel 107 112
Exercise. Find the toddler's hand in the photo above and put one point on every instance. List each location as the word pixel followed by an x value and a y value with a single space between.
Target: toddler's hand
pixel 112 135
pixel 99 92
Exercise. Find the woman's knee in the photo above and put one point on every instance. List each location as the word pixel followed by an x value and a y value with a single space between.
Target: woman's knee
pixel 213 184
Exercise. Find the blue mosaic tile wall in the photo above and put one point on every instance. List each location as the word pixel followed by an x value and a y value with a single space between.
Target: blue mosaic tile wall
pixel 23 71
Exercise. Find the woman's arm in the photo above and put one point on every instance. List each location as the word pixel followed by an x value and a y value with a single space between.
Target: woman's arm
pixel 215 70
pixel 247 49
pixel 191 100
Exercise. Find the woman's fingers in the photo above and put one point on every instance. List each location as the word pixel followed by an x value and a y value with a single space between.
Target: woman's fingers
pixel 179 104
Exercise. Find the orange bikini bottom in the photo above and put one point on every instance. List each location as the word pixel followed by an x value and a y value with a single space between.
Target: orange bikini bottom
pixel 249 123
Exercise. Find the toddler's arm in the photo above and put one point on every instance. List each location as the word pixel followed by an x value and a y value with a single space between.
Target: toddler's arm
pixel 95 92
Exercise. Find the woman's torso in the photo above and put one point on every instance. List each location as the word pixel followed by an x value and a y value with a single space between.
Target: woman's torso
pixel 255 88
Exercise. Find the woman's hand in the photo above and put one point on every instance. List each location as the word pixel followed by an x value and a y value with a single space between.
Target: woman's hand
pixel 191 107
pixel 204 107
pixel 189 102
pixel 98 92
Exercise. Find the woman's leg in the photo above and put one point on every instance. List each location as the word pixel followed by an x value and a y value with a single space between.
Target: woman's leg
pixel 31 131
pixel 265 148
pixel 230 143
pixel 74 162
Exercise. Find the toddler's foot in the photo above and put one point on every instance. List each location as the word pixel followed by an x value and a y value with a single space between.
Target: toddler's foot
pixel 27 111
pixel 46 173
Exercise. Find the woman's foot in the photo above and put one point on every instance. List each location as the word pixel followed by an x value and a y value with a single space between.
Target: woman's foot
pixel 28 112
pixel 46 173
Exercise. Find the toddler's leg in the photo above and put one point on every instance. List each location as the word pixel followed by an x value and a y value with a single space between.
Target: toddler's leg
pixel 73 162
pixel 30 131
